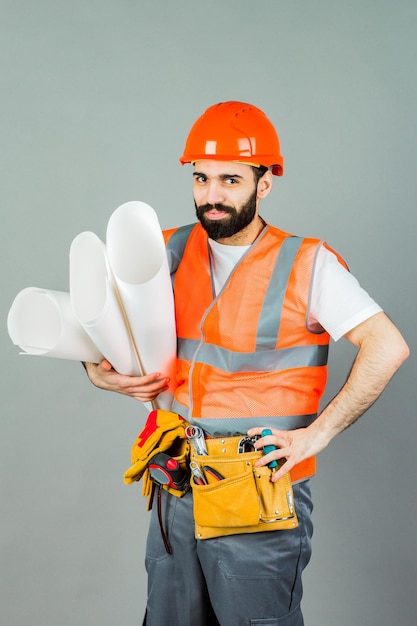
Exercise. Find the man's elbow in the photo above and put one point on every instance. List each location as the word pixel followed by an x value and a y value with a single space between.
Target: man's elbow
pixel 402 352
pixel 396 347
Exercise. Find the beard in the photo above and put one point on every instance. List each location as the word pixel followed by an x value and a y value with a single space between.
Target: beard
pixel 231 224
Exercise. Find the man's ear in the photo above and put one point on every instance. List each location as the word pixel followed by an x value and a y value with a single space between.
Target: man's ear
pixel 264 185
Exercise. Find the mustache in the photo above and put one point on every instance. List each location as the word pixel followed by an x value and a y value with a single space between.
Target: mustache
pixel 203 208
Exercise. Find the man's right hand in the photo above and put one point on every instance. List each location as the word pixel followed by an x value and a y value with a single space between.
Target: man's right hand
pixel 142 388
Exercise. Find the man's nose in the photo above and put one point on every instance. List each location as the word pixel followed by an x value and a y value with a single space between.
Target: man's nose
pixel 215 193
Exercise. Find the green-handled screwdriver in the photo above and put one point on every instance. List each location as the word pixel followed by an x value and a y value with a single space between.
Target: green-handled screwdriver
pixel 273 464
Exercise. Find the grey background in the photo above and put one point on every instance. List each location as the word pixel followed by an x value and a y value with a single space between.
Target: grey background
pixel 97 99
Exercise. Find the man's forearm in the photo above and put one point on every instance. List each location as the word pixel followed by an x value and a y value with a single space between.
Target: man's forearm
pixel 382 350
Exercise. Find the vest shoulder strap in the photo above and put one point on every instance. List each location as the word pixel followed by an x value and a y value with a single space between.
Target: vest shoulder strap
pixel 176 240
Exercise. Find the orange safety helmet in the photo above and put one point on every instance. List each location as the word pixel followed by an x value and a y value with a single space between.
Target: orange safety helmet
pixel 234 131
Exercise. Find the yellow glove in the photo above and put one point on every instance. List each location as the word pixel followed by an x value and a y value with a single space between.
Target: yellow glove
pixel 160 431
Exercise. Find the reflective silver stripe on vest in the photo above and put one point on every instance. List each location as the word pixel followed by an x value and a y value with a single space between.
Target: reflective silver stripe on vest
pixel 270 317
pixel 262 361
pixel 231 426
pixel 176 246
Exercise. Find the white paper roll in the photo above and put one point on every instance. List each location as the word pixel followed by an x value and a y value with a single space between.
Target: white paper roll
pixel 137 256
pixel 96 304
pixel 41 322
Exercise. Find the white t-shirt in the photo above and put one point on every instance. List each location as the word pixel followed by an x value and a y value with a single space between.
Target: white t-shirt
pixel 338 302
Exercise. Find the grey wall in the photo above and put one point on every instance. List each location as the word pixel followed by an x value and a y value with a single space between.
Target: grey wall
pixel 97 98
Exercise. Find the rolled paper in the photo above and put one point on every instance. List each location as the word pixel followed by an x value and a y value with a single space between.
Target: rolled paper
pixel 41 322
pixel 137 256
pixel 97 306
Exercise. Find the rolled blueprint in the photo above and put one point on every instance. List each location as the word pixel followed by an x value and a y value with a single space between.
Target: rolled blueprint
pixel 137 256
pixel 41 322
pixel 97 306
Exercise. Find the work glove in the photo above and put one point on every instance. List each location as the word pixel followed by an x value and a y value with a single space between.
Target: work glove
pixel 162 428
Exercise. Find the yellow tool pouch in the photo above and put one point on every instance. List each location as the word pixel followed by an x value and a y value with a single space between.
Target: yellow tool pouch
pixel 242 498
pixel 163 432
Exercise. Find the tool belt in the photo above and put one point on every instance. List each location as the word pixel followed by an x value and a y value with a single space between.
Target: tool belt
pixel 238 497
pixel 231 497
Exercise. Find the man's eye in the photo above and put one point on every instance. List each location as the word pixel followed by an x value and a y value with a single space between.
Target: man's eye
pixel 201 179
pixel 230 181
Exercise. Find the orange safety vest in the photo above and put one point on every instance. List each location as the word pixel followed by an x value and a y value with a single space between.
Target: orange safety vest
pixel 247 356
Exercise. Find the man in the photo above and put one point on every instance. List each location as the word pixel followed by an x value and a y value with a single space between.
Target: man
pixel 255 309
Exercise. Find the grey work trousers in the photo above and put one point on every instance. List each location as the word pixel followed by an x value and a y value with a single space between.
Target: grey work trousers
pixel 247 579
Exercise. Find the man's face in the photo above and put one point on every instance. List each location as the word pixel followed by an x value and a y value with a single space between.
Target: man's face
pixel 225 197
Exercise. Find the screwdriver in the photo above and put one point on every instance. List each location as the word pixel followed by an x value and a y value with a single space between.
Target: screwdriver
pixel 273 464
